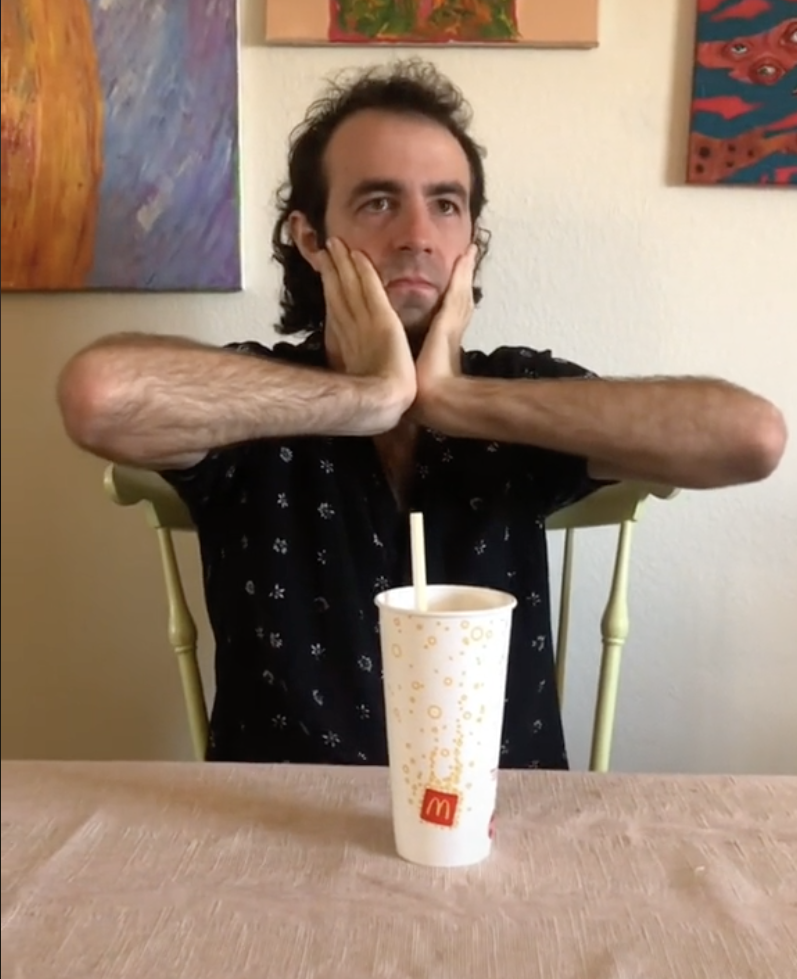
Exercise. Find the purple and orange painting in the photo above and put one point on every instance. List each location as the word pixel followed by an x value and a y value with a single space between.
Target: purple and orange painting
pixel 743 127
pixel 120 145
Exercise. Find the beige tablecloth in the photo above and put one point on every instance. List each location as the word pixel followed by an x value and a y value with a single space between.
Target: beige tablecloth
pixel 145 871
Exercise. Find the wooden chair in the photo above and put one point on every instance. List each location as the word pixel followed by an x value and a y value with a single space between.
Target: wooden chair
pixel 619 505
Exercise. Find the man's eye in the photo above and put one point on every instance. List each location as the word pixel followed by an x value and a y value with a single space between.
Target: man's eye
pixel 377 204
pixel 448 207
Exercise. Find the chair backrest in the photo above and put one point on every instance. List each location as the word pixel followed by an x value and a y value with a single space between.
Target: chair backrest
pixel 166 513
pixel 619 505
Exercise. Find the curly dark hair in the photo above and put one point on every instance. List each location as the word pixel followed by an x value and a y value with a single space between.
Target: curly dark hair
pixel 409 87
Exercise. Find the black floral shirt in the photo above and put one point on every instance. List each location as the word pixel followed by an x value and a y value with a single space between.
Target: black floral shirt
pixel 298 535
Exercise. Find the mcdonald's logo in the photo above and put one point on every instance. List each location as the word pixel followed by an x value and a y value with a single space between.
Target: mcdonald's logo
pixel 439 807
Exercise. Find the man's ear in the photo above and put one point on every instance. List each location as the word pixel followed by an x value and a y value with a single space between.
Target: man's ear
pixel 305 238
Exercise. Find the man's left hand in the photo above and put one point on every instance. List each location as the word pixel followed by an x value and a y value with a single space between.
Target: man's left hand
pixel 439 359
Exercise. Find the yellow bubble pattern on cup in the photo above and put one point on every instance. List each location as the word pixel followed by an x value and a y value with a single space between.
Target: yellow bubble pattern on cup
pixel 442 767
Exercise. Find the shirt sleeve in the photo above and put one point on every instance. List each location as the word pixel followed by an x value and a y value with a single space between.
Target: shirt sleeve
pixel 553 479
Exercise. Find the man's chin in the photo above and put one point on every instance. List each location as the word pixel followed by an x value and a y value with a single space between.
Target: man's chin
pixel 417 318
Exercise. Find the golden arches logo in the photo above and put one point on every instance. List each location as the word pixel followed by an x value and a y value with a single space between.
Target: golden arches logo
pixel 439 808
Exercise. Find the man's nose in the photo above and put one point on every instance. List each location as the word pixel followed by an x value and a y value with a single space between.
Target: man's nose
pixel 415 230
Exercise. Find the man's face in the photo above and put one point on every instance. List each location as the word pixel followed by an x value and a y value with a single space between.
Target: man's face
pixel 399 191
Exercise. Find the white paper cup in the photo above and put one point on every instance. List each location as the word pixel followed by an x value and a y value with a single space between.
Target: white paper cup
pixel 444 684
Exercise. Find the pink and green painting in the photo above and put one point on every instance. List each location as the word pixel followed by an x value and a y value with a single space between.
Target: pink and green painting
pixel 423 20
pixel 532 23
pixel 120 145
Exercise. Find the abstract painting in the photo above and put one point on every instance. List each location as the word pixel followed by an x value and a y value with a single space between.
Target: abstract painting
pixel 120 156
pixel 743 122
pixel 531 23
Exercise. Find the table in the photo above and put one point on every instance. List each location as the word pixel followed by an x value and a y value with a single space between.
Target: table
pixel 149 870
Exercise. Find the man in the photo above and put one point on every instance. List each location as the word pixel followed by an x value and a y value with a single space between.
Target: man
pixel 300 463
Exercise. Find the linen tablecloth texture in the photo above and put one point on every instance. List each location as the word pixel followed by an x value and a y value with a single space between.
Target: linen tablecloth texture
pixel 150 870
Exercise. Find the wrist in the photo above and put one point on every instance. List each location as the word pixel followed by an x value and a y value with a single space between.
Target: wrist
pixel 437 402
pixel 381 403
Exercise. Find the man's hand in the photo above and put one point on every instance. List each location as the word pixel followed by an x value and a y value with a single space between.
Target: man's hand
pixel 439 360
pixel 364 335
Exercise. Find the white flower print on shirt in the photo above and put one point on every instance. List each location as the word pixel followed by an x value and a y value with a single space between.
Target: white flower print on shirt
pixel 280 545
pixel 285 454
pixel 330 739
pixel 327 466
pixel 325 510
pixel 365 663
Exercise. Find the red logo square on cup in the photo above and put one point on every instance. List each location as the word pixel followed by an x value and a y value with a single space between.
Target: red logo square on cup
pixel 439 807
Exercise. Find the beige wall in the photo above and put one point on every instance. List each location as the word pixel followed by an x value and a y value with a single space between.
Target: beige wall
pixel 600 253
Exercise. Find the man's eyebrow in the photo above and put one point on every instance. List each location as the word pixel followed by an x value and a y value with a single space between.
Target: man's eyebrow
pixel 365 187
pixel 445 188
pixel 448 188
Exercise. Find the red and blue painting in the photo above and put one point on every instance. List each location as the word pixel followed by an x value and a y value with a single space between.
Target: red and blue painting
pixel 743 122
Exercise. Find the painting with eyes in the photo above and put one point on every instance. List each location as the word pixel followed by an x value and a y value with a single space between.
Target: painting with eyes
pixel 743 123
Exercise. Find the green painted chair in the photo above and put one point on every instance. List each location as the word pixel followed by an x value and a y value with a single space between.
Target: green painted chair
pixel 619 505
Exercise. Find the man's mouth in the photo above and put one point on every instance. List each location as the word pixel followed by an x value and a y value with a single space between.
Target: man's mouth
pixel 410 282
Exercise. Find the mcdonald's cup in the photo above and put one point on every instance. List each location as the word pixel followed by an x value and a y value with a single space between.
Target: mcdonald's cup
pixel 444 672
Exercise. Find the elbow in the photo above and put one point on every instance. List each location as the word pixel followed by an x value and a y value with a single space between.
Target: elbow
pixel 85 400
pixel 764 443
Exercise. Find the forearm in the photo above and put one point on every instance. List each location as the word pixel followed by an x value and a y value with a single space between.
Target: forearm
pixel 162 400
pixel 686 432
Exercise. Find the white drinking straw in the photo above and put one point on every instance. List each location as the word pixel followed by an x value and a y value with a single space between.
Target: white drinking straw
pixel 418 560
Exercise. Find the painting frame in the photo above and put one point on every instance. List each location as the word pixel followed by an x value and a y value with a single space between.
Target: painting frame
pixel 538 24
pixel 121 164
pixel 742 128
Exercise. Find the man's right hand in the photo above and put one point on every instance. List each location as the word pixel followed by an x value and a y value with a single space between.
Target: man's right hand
pixel 364 334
